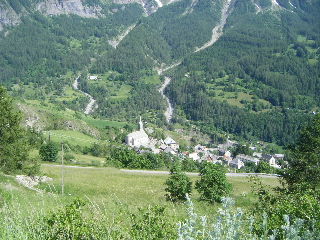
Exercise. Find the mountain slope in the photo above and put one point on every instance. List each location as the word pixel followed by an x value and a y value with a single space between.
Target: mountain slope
pixel 259 78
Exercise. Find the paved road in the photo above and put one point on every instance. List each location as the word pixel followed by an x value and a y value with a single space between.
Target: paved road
pixel 196 174
pixel 166 172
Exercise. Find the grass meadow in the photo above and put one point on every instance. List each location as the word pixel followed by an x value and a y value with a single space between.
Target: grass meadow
pixel 111 194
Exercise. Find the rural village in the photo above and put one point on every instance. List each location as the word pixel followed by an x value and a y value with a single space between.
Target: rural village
pixel 141 142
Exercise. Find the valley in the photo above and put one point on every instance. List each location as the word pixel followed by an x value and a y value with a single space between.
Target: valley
pixel 126 106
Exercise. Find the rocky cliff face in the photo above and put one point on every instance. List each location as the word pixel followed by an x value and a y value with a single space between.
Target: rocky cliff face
pixel 8 17
pixel 56 7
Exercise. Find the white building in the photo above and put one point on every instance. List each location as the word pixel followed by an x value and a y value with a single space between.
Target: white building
pixel 138 138
pixel 245 158
pixel 171 143
pixel 194 156
pixel 236 163
pixel 93 77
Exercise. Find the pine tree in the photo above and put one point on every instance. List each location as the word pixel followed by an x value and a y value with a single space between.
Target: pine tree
pixel 13 144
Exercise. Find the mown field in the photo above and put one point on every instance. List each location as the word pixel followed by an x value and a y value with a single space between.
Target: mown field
pixel 110 187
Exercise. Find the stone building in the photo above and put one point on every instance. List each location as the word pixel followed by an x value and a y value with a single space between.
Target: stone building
pixel 138 138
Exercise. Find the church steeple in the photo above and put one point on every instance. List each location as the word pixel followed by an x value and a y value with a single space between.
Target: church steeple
pixel 141 124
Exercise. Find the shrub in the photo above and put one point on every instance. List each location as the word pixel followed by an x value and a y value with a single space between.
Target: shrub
pixel 48 152
pixel 67 223
pixel 302 205
pixel 234 224
pixel 178 185
pixel 264 167
pixel 151 223
pixel 213 184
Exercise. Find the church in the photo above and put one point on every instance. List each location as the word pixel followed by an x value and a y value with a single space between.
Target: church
pixel 138 138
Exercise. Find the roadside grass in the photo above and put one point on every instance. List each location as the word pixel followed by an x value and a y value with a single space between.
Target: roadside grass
pixel 155 80
pixel 88 159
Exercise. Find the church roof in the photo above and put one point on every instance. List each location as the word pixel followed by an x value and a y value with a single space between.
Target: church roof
pixel 138 134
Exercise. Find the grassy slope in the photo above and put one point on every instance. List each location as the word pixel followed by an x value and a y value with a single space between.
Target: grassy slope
pixel 112 190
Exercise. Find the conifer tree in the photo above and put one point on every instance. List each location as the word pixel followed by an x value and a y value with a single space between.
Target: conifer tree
pixel 13 145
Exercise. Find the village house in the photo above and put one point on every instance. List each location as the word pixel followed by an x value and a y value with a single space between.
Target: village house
pixel 236 163
pixel 93 77
pixel 171 143
pixel 257 154
pixel 194 156
pixel 271 160
pixel 246 158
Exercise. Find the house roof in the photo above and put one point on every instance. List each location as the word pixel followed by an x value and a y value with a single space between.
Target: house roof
pixel 169 141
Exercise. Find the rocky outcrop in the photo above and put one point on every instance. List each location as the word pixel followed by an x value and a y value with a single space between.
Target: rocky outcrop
pixel 56 7
pixel 32 118
pixel 32 181
pixel 80 126
pixel 8 17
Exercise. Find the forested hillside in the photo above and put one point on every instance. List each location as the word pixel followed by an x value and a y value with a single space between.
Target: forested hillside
pixel 260 80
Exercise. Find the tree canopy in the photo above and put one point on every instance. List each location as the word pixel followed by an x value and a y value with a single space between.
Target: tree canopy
pixel 304 161
pixel 13 145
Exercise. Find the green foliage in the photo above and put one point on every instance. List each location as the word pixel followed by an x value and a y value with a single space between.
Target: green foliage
pixel 13 141
pixel 259 64
pixel 129 158
pixel 178 185
pixel 48 152
pixel 241 149
pixel 302 205
pixel 303 162
pixel 67 223
pixel 151 223
pixel 231 223
pixel 213 184
pixel 264 167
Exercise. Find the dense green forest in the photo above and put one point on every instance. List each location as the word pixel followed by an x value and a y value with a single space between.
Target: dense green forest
pixel 260 80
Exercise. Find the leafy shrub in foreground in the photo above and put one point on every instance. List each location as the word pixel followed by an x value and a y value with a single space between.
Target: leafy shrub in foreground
pixel 233 224
pixel 151 223
pixel 213 184
pixel 178 185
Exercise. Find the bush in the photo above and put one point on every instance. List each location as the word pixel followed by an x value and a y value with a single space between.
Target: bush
pixel 213 184
pixel 48 152
pixel 264 167
pixel 151 223
pixel 233 224
pixel 178 185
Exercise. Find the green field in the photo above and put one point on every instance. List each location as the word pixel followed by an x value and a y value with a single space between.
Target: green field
pixel 71 137
pixel 98 123
pixel 132 189
pixel 111 186
pixel 110 193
